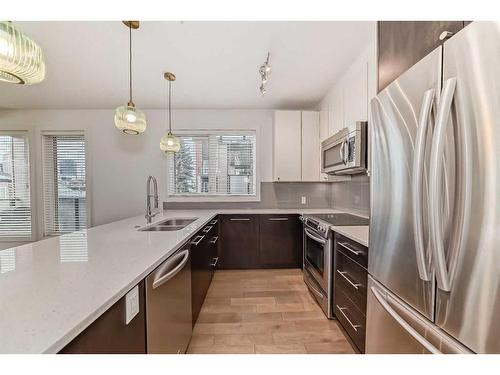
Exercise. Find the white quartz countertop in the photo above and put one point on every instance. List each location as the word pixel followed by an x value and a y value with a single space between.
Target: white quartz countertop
pixel 357 233
pixel 51 290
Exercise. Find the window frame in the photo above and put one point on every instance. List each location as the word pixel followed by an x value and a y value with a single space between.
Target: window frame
pixel 216 197
pixel 33 202
pixel 88 190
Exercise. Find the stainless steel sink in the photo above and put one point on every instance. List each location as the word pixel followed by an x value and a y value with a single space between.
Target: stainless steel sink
pixel 169 225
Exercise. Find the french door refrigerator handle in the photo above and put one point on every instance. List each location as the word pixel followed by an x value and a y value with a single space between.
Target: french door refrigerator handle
pixel 435 184
pixel 418 182
pixel 403 323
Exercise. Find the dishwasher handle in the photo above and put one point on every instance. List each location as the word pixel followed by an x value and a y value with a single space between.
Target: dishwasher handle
pixel 161 278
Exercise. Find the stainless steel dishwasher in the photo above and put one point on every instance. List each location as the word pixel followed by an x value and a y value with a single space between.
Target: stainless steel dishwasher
pixel 168 304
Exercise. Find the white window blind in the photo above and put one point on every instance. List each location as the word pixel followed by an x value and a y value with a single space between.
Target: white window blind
pixel 214 163
pixel 15 199
pixel 64 183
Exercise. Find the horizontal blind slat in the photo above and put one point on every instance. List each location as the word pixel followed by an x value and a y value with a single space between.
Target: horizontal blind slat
pixel 64 175
pixel 15 194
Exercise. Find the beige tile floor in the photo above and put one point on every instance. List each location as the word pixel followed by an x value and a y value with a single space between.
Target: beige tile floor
pixel 264 311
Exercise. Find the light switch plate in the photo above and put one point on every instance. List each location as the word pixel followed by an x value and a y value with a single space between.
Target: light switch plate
pixel 303 200
pixel 131 304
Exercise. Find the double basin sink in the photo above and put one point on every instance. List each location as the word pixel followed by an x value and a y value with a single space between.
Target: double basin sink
pixel 169 225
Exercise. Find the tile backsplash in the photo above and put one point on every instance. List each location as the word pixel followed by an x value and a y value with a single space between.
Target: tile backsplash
pixel 273 195
pixel 352 196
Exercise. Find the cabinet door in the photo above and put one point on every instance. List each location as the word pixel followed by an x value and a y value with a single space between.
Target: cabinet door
pixel 336 111
pixel 401 44
pixel 239 236
pixel 310 146
pixel 323 124
pixel 287 146
pixel 356 94
pixel 201 273
pixel 280 241
pixel 110 335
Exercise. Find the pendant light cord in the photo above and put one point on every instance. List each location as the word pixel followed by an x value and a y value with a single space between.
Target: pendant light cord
pixel 170 106
pixel 130 61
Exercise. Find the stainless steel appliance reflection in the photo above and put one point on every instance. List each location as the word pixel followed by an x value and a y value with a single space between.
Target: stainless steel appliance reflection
pixel 168 305
pixel 345 151
pixel 435 198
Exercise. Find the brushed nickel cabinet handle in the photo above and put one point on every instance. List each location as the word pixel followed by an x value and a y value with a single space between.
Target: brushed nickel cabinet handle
pixel 342 273
pixel 240 219
pixel 213 222
pixel 214 239
pixel 197 240
pixel 354 326
pixel 348 248
pixel 207 229
pixel 278 219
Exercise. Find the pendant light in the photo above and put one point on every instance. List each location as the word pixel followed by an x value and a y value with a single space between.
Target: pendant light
pixel 21 59
pixel 129 119
pixel 169 143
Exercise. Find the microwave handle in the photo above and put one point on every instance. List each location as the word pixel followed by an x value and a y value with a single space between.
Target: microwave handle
pixel 345 155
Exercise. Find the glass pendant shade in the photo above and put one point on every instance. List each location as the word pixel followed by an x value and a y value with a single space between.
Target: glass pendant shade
pixel 130 120
pixel 21 59
pixel 170 143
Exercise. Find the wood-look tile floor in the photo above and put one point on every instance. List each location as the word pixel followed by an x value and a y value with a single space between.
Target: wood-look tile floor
pixel 263 311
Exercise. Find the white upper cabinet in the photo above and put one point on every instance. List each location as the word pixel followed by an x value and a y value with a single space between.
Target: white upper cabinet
pixel 296 146
pixel 287 146
pixel 336 110
pixel 310 146
pixel 323 124
pixel 356 94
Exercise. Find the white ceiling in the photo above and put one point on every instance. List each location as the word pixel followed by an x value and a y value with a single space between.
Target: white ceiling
pixel 216 63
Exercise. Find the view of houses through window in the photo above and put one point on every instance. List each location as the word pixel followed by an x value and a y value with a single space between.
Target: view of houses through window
pixel 214 164
pixel 15 199
pixel 64 183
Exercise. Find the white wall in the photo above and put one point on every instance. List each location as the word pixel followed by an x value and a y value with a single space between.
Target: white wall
pixel 119 164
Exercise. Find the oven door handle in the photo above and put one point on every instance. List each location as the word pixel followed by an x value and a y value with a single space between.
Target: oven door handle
pixel 314 237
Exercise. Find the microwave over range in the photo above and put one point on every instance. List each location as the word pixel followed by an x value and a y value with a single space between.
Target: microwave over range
pixel 345 151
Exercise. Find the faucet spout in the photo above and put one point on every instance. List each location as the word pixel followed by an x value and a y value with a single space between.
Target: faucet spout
pixel 149 213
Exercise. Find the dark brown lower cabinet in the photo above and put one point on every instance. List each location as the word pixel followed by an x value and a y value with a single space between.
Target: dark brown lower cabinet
pixel 239 247
pixel 203 263
pixel 350 289
pixel 110 335
pixel 280 241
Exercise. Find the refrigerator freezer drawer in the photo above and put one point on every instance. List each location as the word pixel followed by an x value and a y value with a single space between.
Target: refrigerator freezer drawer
pixel 393 327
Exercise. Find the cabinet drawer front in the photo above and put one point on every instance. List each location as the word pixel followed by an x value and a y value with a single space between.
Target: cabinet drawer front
pixel 351 319
pixel 352 249
pixel 351 279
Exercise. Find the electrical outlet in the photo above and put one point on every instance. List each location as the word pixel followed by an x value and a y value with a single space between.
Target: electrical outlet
pixel 303 200
pixel 131 304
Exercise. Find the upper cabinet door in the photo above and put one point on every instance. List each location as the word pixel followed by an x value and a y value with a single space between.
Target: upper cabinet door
pixel 356 95
pixel 310 146
pixel 287 146
pixel 336 111
pixel 401 44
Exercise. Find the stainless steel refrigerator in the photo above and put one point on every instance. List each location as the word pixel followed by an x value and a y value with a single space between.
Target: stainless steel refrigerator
pixel 434 265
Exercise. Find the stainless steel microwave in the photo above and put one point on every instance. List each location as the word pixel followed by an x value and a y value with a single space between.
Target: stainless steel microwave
pixel 345 151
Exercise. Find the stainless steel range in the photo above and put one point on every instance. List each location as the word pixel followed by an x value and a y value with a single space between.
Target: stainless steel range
pixel 318 254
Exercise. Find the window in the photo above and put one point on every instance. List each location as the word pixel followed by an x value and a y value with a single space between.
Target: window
pixel 64 183
pixel 214 164
pixel 15 199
